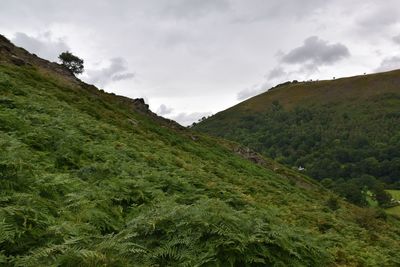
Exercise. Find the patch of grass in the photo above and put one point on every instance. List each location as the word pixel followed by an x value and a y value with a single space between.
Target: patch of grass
pixel 372 202
pixel 394 193
pixel 394 211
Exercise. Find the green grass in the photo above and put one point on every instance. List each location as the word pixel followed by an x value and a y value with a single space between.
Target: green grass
pixel 395 194
pixel 371 201
pixel 87 180
pixel 394 210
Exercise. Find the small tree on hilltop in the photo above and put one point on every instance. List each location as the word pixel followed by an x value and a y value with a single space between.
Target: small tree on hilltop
pixel 71 62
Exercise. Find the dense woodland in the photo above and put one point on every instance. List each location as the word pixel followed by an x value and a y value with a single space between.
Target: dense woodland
pixel 87 179
pixel 351 147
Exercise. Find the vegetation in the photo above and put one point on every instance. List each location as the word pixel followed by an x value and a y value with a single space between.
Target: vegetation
pixel 395 194
pixel 86 179
pixel 345 133
pixel 395 210
pixel 71 62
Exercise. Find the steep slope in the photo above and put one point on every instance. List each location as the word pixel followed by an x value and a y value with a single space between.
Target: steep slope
pixel 93 179
pixel 345 130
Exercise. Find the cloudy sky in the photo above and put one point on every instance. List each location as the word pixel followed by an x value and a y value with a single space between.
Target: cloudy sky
pixel 191 58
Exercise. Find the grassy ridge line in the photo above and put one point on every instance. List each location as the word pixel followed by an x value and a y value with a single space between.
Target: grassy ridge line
pixel 356 89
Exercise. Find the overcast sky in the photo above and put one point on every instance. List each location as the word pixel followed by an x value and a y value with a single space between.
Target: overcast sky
pixel 191 58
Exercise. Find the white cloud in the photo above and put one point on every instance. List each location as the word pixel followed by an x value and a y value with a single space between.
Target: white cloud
pixel 43 45
pixel 164 110
pixel 187 119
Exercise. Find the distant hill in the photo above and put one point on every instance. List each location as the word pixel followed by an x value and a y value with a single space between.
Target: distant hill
pixel 345 132
pixel 88 178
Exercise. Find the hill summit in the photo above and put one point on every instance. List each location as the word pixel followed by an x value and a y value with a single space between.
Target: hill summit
pixel 88 178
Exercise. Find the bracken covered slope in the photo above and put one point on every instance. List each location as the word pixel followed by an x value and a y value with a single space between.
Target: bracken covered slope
pixel 93 179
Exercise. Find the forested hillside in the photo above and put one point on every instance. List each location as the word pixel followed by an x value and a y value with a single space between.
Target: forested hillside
pixel 89 178
pixel 345 133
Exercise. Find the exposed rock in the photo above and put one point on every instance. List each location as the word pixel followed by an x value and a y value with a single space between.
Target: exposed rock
pixel 247 153
pixel 17 61
pixel 5 48
pixel 293 177
pixel 3 39
pixel 140 104
pixel 133 122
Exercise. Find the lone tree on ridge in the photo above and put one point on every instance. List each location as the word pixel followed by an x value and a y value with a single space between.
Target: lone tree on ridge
pixel 71 62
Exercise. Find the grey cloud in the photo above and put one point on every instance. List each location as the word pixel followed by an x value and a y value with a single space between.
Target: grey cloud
pixel 123 76
pixel 379 16
pixel 246 93
pixel 316 52
pixel 42 45
pixel 186 119
pixel 116 71
pixel 307 59
pixel 254 90
pixel 307 69
pixel 262 10
pixel 396 39
pixel 164 110
pixel 194 8
pixel 388 64
pixel 276 73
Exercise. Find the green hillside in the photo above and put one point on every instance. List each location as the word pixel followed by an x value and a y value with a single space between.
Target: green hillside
pixel 89 178
pixel 345 132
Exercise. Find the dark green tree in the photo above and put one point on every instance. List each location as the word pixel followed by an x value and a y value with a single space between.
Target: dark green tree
pixel 383 198
pixel 352 190
pixel 71 62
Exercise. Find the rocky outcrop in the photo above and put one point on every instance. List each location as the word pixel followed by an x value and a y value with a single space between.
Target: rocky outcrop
pixel 9 53
pixel 292 176
pixel 249 154
pixel 140 106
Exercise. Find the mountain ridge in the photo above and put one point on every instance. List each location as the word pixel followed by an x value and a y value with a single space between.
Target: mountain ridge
pixel 369 80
